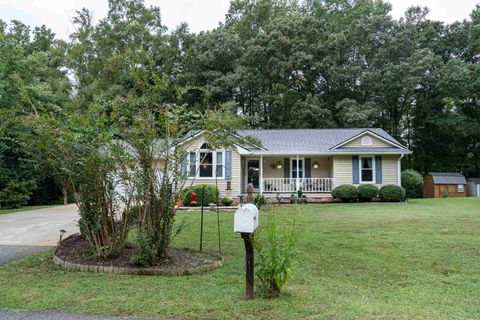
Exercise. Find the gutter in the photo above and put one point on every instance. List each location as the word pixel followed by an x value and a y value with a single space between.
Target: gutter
pixel 313 153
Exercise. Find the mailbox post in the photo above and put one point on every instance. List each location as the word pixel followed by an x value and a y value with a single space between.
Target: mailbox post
pixel 245 222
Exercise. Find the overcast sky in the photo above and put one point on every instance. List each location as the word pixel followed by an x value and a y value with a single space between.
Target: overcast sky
pixel 199 14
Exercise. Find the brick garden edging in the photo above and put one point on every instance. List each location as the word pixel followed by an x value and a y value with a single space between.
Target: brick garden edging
pixel 138 271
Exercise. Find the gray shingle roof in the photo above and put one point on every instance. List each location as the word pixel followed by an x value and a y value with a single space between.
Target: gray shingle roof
pixel 314 140
pixel 476 180
pixel 448 178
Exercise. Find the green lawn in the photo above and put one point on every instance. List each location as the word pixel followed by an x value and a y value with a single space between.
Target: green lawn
pixel 26 208
pixel 416 260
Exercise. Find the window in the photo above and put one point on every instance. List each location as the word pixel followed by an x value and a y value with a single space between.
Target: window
pixel 366 141
pixel 193 164
pixel 460 188
pixel 366 166
pixel 219 164
pixel 205 163
pixel 294 168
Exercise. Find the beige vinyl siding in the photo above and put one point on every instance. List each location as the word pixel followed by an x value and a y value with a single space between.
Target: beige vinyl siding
pixel 389 170
pixel 193 145
pixel 375 142
pixel 342 166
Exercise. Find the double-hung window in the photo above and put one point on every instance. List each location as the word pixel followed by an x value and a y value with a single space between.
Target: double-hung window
pixel 219 164
pixel 366 167
pixel 192 168
pixel 206 163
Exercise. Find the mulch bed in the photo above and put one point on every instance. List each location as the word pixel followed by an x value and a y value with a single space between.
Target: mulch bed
pixel 75 250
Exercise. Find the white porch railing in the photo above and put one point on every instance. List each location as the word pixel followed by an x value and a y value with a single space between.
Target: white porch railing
pixel 290 184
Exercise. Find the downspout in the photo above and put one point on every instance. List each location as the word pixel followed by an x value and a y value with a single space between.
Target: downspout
pixel 399 170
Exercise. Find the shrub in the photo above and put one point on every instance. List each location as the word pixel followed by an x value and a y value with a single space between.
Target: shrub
pixel 16 193
pixel 346 192
pixel 367 191
pixel 412 181
pixel 392 193
pixel 211 193
pixel 276 253
pixel 226 201
pixel 259 200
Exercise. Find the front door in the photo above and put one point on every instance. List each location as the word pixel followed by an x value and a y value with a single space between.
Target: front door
pixel 253 172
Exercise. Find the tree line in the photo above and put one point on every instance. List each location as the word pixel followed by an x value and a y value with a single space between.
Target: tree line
pixel 274 63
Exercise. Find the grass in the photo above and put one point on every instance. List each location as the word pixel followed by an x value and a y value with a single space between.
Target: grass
pixel 26 208
pixel 416 260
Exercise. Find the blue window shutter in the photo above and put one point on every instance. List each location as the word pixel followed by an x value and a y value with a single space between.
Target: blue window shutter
pixel 228 164
pixel 378 169
pixel 355 170
pixel 308 168
pixel 286 168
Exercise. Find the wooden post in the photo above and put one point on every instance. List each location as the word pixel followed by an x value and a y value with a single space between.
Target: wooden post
pixel 249 265
pixel 249 253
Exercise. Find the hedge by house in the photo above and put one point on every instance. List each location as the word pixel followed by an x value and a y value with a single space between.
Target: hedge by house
pixel 412 181
pixel 366 192
pixel 345 192
pixel 211 193
pixel 392 193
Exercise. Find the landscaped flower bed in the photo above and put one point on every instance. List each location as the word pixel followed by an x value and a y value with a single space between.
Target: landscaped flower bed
pixel 73 253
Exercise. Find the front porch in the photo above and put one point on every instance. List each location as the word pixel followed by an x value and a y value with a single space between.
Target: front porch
pixel 271 175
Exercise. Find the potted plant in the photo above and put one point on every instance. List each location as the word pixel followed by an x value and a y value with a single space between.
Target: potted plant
pixel 276 164
pixel 315 164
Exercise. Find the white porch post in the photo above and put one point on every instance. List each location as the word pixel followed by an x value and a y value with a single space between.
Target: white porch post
pixel 261 174
pixel 298 171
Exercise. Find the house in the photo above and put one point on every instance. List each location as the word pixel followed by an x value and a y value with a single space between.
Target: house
pixel 286 160
pixel 444 184
pixel 473 187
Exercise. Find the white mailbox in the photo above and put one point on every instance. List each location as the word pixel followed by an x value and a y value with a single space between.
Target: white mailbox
pixel 246 219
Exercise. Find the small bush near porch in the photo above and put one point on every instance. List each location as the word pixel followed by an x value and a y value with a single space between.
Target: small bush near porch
pixel 415 260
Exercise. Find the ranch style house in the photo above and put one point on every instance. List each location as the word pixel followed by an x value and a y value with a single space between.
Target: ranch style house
pixel 313 160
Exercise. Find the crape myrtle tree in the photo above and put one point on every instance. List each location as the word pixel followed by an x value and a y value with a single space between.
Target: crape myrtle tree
pixel 82 154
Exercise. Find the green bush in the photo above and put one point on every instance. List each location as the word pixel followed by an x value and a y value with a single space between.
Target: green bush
pixel 276 253
pixel 211 193
pixel 259 200
pixel 226 201
pixel 367 191
pixel 412 181
pixel 16 193
pixel 392 193
pixel 346 192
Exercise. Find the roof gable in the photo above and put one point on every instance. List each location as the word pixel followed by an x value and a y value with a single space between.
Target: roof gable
pixel 376 141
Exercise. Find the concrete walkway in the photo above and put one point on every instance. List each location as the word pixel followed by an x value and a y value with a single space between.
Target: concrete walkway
pixel 38 227
pixel 14 315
